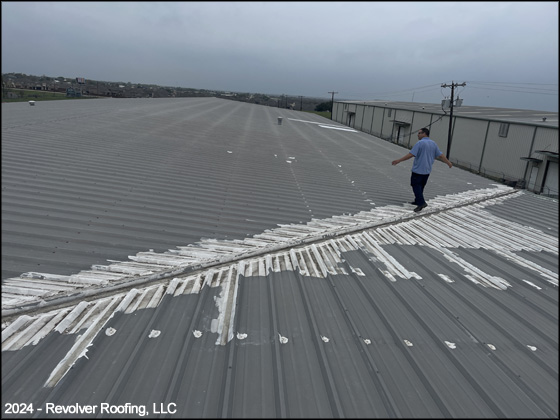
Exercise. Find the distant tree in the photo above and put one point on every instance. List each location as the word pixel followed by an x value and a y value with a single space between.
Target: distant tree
pixel 324 106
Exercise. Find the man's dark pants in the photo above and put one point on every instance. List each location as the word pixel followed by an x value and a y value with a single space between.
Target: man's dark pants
pixel 418 182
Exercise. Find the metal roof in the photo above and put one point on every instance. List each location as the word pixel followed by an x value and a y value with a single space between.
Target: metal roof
pixel 525 116
pixel 341 303
pixel 95 180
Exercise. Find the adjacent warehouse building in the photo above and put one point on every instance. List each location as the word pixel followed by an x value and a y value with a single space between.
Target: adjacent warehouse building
pixel 519 147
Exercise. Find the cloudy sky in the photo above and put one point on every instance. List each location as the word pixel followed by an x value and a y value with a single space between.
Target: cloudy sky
pixel 506 52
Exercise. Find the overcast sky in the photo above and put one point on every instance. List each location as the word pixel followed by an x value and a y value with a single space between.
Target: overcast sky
pixel 506 52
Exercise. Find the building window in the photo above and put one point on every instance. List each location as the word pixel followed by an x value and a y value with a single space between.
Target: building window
pixel 504 127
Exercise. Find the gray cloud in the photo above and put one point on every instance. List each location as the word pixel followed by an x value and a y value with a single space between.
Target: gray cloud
pixel 363 50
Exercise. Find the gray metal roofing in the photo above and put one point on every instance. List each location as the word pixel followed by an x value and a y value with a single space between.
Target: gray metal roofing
pixel 88 181
pixel 343 303
pixel 526 116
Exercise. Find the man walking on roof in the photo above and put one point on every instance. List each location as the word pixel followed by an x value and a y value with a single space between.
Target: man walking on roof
pixel 424 153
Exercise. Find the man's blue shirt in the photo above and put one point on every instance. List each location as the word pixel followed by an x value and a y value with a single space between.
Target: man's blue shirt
pixel 425 152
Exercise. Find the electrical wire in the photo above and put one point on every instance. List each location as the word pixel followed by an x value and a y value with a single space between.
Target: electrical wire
pixel 392 93
pixel 518 91
pixel 517 87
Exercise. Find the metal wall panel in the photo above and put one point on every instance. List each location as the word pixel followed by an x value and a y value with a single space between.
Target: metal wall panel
pixel 419 120
pixel 546 139
pixel 359 117
pixel 377 121
pixel 467 143
pixel 404 133
pixel 550 186
pixel 338 112
pixel 368 119
pixel 439 132
pixel 502 154
pixel 387 130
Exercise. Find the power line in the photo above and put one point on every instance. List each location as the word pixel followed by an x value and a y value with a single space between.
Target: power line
pixel 514 83
pixel 518 91
pixel 394 92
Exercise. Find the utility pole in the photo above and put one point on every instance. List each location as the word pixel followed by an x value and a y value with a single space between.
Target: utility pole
pixel 452 86
pixel 332 102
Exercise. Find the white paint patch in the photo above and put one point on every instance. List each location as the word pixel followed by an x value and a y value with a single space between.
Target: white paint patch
pixel 309 122
pixel 325 339
pixel 492 347
pixel 154 334
pixel 389 276
pixel 475 274
pixel 367 341
pixel 532 284
pixel 446 278
pixel 110 331
pixel 197 334
pixel 229 282
pixel 533 348
pixel 550 276
pixel 451 345
pixel 241 336
pixel 283 340
pixel 323 124
pixel 408 343
pixel 338 128
pixel 84 353
pixel 229 151
pixel 358 271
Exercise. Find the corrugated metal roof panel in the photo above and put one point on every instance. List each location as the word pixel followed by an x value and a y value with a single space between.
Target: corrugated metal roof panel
pixel 362 325
pixel 380 312
pixel 102 179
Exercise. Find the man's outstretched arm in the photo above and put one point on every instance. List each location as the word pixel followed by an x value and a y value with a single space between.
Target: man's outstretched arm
pixel 445 160
pixel 405 157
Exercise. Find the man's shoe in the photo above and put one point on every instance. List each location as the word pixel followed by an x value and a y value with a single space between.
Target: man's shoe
pixel 413 202
pixel 420 208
